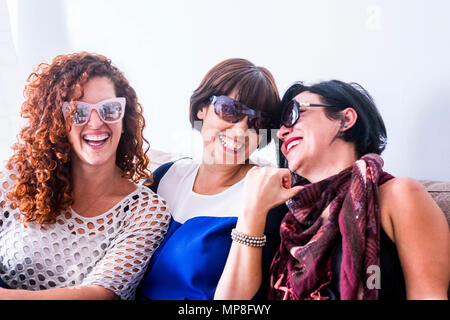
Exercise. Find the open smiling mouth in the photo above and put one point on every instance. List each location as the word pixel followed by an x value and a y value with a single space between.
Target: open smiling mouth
pixel 291 143
pixel 96 140
pixel 230 145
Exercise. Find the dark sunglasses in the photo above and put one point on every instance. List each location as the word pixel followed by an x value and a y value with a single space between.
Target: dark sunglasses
pixel 291 111
pixel 234 111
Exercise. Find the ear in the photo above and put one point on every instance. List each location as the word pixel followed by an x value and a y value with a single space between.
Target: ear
pixel 349 118
pixel 201 113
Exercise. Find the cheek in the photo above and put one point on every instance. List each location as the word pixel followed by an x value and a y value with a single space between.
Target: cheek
pixel 211 127
pixel 74 135
pixel 117 129
pixel 317 141
pixel 208 133
pixel 319 135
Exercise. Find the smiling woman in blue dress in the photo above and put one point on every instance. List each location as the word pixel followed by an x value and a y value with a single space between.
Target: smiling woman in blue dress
pixel 234 103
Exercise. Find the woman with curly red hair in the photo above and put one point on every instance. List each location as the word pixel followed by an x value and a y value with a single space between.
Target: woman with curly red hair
pixel 74 223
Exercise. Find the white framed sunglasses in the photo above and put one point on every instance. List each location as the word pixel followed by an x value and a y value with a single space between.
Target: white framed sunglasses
pixel 110 110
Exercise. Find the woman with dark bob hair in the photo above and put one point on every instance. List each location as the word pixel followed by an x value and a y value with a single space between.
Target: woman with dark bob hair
pixel 74 223
pixel 352 230
pixel 233 108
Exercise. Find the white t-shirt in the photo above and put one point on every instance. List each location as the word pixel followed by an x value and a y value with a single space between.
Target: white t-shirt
pixel 111 250
pixel 176 187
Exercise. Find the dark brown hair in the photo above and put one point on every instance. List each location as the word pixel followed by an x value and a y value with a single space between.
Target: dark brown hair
pixel 255 87
pixel 42 155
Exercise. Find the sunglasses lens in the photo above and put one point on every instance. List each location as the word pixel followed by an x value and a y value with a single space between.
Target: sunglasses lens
pixel 111 111
pixel 81 115
pixel 234 111
pixel 227 110
pixel 290 114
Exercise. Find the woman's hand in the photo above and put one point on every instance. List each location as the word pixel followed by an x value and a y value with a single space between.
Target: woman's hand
pixel 264 188
pixel 267 187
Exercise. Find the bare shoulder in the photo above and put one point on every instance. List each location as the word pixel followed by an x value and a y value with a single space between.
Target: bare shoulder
pixel 405 201
pixel 403 190
pixel 419 228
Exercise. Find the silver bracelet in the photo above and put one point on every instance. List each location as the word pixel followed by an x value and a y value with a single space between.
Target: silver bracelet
pixel 247 240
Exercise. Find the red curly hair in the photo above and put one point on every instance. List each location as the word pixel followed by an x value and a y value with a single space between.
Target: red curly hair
pixel 42 155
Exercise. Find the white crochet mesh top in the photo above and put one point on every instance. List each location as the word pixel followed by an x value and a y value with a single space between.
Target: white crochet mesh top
pixel 111 250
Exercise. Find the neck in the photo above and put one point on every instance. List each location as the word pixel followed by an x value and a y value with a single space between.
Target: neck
pixel 93 180
pixel 214 178
pixel 330 163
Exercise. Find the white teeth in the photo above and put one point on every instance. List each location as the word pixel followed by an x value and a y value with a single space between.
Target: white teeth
pixel 96 137
pixel 230 144
pixel 292 144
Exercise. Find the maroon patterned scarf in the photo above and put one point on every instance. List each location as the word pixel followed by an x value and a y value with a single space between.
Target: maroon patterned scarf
pixel 344 206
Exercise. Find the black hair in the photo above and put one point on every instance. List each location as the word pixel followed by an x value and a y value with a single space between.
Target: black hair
pixel 368 133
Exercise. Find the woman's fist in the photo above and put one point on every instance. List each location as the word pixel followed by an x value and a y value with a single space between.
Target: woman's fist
pixel 267 187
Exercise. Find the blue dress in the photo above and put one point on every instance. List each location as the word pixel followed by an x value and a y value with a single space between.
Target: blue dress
pixel 190 260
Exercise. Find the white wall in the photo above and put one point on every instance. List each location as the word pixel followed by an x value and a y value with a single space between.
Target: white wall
pixel 398 50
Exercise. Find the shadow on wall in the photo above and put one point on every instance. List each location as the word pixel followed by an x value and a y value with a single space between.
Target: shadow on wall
pixel 430 138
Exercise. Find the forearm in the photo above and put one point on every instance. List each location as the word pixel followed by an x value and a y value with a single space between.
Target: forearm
pixel 93 292
pixel 264 188
pixel 241 277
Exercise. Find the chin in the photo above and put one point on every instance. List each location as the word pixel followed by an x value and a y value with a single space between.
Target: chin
pixel 95 163
pixel 225 156
pixel 100 160
pixel 294 165
pixel 297 160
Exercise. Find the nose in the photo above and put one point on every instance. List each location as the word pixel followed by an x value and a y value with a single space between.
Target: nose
pixel 283 132
pixel 94 120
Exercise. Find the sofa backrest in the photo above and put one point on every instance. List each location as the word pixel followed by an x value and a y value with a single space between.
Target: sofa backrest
pixel 440 192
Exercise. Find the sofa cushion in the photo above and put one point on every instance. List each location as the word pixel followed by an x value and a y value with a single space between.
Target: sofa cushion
pixel 440 192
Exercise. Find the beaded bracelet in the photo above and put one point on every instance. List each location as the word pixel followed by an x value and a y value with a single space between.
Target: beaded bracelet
pixel 247 240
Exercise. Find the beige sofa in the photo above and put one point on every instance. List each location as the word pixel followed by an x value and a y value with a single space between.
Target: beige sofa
pixel 439 190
